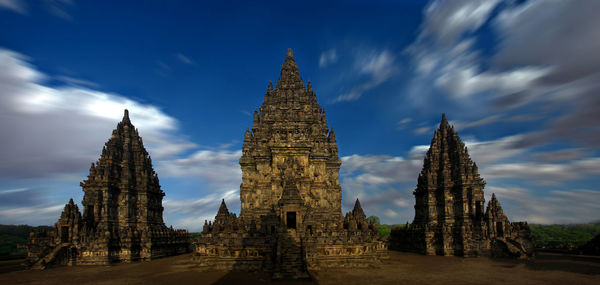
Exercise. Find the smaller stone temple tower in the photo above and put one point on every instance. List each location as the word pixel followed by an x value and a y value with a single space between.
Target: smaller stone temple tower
pixel 122 212
pixel 449 209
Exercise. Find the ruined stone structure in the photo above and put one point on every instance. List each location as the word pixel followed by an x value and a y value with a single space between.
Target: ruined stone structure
pixel 291 218
pixel 449 210
pixel 122 212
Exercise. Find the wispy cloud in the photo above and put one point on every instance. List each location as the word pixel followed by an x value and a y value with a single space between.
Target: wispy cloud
pixel 543 171
pixel 76 81
pixel 214 166
pixel 185 59
pixel 17 6
pixel 555 206
pixel 460 125
pixel 447 21
pixel 377 66
pixel 59 8
pixel 38 215
pixel 327 57
pixel 402 124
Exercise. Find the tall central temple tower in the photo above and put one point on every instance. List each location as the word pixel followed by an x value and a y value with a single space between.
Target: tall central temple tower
pixel 290 137
pixel 291 217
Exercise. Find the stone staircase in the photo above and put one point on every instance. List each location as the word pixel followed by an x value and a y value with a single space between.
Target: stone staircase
pixel 51 258
pixel 292 263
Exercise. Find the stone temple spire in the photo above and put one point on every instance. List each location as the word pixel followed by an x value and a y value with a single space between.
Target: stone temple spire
pixel 290 196
pixel 126 117
pixel 124 181
pixel 444 122
pixel 223 208
pixel 494 210
pixel 122 210
pixel 290 129
pixel 449 205
pixel 290 75
pixel 358 211
pixel 449 192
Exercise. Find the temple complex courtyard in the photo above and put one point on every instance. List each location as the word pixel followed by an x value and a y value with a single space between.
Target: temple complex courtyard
pixel 400 268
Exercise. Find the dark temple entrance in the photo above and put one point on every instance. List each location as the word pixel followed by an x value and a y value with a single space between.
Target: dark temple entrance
pixel 64 234
pixel 291 220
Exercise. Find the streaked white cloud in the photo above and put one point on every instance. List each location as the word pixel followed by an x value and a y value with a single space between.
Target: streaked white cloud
pixel 43 121
pixel 377 66
pixel 59 8
pixel 466 80
pixel 185 59
pixel 327 58
pixel 402 124
pixel 560 155
pixel 17 6
pixel 190 214
pixel 219 167
pixel 38 215
pixel 76 81
pixel 568 206
pixel 460 125
pixel 447 21
pixel 570 170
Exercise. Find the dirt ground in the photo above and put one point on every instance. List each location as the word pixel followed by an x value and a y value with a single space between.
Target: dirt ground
pixel 401 268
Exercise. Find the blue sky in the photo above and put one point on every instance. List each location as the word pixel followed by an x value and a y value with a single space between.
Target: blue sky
pixel 518 79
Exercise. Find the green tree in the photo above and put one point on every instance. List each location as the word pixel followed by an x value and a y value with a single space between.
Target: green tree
pixel 373 220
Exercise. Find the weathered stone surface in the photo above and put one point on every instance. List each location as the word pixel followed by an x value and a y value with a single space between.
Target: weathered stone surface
pixel 449 209
pixel 291 218
pixel 122 218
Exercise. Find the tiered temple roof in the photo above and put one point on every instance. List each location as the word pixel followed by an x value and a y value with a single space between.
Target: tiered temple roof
pixel 449 209
pixel 122 211
pixel 291 217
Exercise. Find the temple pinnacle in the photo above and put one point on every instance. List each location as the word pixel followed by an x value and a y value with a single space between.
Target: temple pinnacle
pixel 290 53
pixel 126 116
pixel 444 122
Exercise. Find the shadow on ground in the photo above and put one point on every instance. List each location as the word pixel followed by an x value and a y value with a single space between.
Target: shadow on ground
pixel 565 262
pixel 401 268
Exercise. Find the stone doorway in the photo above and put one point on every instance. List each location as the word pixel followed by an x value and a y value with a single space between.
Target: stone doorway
pixel 64 234
pixel 291 220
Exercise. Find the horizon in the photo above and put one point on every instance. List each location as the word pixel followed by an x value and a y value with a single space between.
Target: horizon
pixel 192 74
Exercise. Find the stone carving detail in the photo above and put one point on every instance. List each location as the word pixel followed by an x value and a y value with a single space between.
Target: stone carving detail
pixel 291 218
pixel 122 217
pixel 449 209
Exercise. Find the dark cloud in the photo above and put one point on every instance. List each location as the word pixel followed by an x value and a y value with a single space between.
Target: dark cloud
pixel 560 155
pixel 562 34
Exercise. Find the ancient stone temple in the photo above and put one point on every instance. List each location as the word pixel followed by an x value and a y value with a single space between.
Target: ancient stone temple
pixel 449 210
pixel 291 218
pixel 122 212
